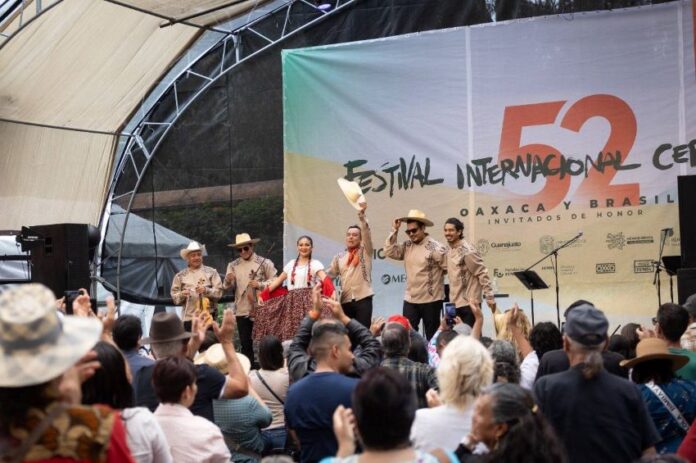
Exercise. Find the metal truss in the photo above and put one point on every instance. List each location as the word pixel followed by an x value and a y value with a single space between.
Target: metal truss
pixel 238 46
pixel 27 13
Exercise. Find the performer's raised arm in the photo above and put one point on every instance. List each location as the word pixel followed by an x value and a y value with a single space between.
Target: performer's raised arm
pixel 392 249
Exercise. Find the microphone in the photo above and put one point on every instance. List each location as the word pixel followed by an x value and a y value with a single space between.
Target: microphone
pixel 668 231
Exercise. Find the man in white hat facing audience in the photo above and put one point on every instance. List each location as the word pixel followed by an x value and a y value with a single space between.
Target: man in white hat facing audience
pixel 354 264
pixel 195 282
pixel 246 275
pixel 425 261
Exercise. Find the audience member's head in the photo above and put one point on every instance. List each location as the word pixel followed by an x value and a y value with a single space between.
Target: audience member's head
pixel 384 405
pixel 654 362
pixel 575 304
pixel 465 369
pixel 167 336
pixel 585 338
pixel 690 306
pixel 506 366
pixel 631 336
pixel 174 380
pixel 30 378
pixel 271 353
pixel 620 345
pixel 508 421
pixel 109 385
pixel 418 351
pixel 127 331
pixel 443 339
pixel 330 346
pixel 545 337
pixel 672 321
pixel 395 340
pixel 215 357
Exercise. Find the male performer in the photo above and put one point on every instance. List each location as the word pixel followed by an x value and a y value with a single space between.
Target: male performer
pixel 354 267
pixel 194 282
pixel 246 274
pixel 467 275
pixel 424 260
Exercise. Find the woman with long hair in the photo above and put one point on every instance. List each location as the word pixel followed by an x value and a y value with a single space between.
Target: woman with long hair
pixel 281 311
pixel 111 386
pixel 510 426
pixel 271 383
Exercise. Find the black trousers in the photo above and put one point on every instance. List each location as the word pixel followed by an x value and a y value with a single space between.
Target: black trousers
pixel 429 312
pixel 245 325
pixel 466 315
pixel 360 310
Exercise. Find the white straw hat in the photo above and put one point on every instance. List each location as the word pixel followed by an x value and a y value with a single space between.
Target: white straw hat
pixel 192 247
pixel 35 345
pixel 352 192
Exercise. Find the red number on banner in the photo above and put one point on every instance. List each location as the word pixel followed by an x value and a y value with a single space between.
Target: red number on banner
pixel 597 185
pixel 514 120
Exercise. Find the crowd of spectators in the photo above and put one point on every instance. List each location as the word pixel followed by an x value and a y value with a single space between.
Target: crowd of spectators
pixel 85 388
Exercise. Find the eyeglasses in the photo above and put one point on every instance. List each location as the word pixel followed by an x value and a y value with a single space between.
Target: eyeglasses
pixel 412 231
pixel 245 248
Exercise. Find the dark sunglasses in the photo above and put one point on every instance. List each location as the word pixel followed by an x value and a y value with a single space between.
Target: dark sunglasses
pixel 411 231
pixel 245 248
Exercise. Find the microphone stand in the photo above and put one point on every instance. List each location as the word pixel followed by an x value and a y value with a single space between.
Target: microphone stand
pixel 554 260
pixel 658 267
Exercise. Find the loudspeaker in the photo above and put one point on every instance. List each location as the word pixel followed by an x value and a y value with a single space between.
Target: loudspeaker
pixel 686 185
pixel 686 283
pixel 61 260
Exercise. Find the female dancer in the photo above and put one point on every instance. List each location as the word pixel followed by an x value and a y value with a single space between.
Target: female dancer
pixel 281 311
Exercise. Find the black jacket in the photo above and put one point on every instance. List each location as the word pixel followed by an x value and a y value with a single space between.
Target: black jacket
pixel 366 350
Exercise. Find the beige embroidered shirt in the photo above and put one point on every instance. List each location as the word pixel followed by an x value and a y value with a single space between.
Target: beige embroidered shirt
pixel 189 279
pixel 356 280
pixel 256 268
pixel 425 265
pixel 468 276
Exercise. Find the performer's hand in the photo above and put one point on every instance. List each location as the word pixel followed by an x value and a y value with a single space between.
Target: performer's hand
pixel 254 284
pixel 377 325
pixel 229 277
pixel 200 289
pixel 396 224
pixel 186 293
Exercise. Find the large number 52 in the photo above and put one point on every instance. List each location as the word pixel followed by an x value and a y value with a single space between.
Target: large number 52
pixel 596 185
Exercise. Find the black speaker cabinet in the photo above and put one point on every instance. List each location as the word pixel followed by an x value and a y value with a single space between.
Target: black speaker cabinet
pixel 61 260
pixel 686 185
pixel 686 283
